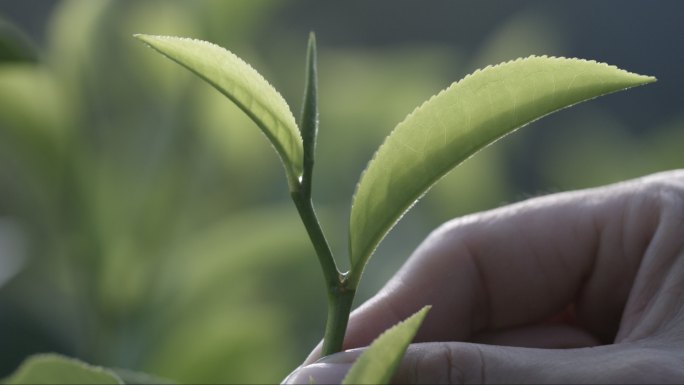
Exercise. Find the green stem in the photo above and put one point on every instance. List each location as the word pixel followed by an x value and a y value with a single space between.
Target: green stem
pixel 313 228
pixel 339 297
pixel 339 307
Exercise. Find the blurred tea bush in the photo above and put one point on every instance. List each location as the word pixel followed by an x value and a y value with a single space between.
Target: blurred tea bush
pixel 145 222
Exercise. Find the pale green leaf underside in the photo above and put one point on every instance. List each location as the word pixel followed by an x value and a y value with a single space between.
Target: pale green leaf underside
pixel 245 87
pixel 56 369
pixel 459 121
pixel 377 364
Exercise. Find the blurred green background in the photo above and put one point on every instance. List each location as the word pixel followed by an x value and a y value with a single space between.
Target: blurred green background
pixel 145 222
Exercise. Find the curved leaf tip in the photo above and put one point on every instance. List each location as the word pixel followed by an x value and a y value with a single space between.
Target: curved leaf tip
pixel 457 122
pixel 378 363
pixel 242 84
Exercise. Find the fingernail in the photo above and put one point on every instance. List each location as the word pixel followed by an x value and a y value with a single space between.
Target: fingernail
pixel 327 370
pixel 318 373
pixel 345 357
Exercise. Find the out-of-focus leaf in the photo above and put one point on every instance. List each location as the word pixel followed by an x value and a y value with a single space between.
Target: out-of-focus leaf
pixel 456 123
pixel 14 45
pixel 245 87
pixel 56 369
pixel 524 33
pixel 231 253
pixel 34 124
pixel 160 18
pixel 218 300
pixel 73 29
pixel 225 345
pixel 13 249
pixel 30 100
pixel 131 377
pixel 364 76
pixel 377 364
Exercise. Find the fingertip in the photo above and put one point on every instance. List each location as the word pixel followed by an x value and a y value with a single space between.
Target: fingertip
pixel 327 370
pixel 320 373
pixel 314 355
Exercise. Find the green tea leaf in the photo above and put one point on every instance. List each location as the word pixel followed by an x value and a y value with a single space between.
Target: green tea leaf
pixel 309 122
pixel 245 87
pixel 56 369
pixel 377 364
pixel 459 121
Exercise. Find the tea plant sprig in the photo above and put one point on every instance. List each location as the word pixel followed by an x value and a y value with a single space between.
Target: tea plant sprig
pixel 437 136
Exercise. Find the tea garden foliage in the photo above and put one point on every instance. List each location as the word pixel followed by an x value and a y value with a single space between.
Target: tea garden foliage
pixel 137 236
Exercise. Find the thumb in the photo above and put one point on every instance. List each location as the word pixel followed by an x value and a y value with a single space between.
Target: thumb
pixel 464 363
pixel 328 370
pixel 460 363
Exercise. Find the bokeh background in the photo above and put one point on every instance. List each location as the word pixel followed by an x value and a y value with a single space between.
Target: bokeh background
pixel 145 222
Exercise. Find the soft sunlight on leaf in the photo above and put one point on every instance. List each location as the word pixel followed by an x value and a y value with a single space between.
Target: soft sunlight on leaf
pixel 459 121
pixel 245 87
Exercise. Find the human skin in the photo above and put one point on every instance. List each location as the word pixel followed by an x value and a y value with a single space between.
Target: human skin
pixel 578 287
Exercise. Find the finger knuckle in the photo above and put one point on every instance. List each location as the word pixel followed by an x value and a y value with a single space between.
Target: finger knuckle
pixel 437 365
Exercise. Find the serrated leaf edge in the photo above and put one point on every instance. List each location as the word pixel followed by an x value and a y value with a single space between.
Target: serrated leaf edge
pixel 451 86
pixel 476 72
pixel 238 58
pixel 420 315
pixel 289 116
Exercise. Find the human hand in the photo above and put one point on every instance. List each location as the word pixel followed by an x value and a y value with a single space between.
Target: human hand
pixel 577 287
